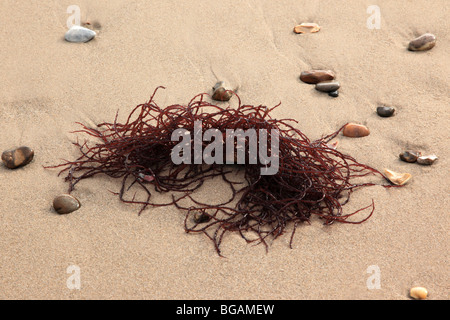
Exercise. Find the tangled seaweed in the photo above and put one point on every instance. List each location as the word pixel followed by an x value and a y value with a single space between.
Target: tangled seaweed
pixel 313 178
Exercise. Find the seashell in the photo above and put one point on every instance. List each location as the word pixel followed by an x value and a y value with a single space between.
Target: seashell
pixel 333 145
pixel 146 177
pixel 418 293
pixel 427 160
pixel 354 130
pixel 397 178
pixel 17 157
pixel 316 76
pixel 384 111
pixel 422 43
pixel 410 156
pixel 307 27
pixel 79 34
pixel 328 86
pixel 66 203
pixel 221 93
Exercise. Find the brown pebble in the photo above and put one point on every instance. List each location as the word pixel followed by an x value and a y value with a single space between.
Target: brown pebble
pixel 307 27
pixel 427 160
pixel 66 203
pixel 410 156
pixel 17 157
pixel 221 93
pixel 354 130
pixel 422 43
pixel 316 76
pixel 419 293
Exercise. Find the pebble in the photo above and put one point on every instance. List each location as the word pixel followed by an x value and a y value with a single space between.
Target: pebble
pixel 328 86
pixel 397 178
pixel 307 27
pixel 334 94
pixel 79 34
pixel 384 111
pixel 220 92
pixel 17 157
pixel 427 160
pixel 316 76
pixel 419 293
pixel 354 130
pixel 410 156
pixel 422 43
pixel 201 217
pixel 66 203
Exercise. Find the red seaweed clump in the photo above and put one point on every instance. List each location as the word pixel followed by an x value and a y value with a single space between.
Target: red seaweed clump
pixel 312 178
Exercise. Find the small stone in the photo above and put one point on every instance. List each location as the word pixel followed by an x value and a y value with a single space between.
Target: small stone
pixel 201 217
pixel 79 34
pixel 334 94
pixel 221 93
pixel 419 293
pixel 427 160
pixel 422 43
pixel 328 86
pixel 17 157
pixel 307 27
pixel 316 76
pixel 66 203
pixel 384 111
pixel 410 156
pixel 354 130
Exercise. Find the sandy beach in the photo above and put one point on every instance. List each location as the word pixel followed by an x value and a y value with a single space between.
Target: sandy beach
pixel 49 84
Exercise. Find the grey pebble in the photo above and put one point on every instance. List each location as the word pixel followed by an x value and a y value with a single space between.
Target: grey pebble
pixel 79 34
pixel 328 86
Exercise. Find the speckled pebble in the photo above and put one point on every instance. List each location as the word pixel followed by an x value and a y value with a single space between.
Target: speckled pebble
pixel 425 42
pixel 17 157
pixel 410 156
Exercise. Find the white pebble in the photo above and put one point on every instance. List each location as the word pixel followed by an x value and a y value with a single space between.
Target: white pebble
pixel 79 34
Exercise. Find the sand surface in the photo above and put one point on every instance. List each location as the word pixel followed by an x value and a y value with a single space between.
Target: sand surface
pixel 48 84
